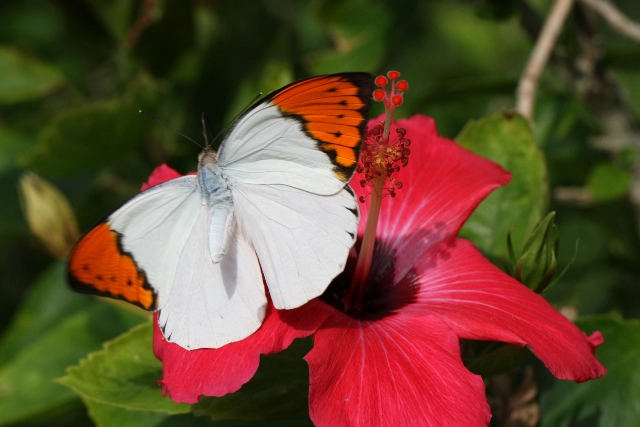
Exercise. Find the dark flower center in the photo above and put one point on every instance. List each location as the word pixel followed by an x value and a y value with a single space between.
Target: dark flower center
pixel 382 297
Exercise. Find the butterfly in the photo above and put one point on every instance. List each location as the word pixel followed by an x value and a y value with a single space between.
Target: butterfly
pixel 273 202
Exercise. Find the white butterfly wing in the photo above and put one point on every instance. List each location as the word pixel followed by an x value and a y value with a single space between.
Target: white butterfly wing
pixel 213 304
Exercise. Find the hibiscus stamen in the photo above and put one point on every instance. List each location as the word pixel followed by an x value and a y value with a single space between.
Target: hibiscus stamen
pixel 381 157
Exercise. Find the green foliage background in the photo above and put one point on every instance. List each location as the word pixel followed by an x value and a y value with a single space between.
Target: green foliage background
pixel 73 75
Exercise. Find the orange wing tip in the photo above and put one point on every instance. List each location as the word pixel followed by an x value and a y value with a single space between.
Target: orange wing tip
pixel 98 265
pixel 333 110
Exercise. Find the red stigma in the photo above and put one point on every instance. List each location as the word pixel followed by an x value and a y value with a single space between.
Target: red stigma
pixel 381 81
pixel 391 90
pixel 393 75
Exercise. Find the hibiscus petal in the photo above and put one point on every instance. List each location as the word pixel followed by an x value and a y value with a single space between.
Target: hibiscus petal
pixel 478 301
pixel 159 175
pixel 398 371
pixel 188 374
pixel 443 184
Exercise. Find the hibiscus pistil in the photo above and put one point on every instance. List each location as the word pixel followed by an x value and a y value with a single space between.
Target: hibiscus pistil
pixel 381 157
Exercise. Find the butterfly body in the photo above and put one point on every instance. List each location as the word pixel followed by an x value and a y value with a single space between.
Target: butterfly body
pixel 273 203
pixel 215 191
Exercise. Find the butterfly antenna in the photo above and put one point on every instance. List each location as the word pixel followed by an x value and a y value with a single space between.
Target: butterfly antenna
pixel 205 120
pixel 255 98
pixel 144 113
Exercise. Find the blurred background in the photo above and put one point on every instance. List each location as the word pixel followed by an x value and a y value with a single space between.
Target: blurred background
pixel 74 73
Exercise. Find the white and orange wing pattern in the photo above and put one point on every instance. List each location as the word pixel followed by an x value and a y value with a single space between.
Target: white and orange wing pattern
pixel 103 261
pixel 289 215
pixel 306 135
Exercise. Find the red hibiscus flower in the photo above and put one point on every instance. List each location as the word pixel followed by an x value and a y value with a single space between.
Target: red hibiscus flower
pixel 386 332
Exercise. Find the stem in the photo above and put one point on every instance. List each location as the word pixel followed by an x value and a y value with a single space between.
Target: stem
pixel 528 84
pixel 365 257
pixel 615 18
pixel 388 117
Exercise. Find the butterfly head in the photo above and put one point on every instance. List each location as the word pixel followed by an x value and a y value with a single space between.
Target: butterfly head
pixel 208 155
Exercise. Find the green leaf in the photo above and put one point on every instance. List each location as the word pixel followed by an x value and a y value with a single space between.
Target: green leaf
pixel 630 82
pixel 12 220
pixel 280 388
pixel 124 373
pixel 87 138
pixel 47 304
pixel 273 75
pixel 105 415
pixel 26 386
pixel 120 383
pixel 359 32
pixel 115 15
pixel 607 182
pixel 507 139
pixel 612 399
pixel 23 78
pixel 492 358
pixel 169 36
pixel 499 10
pixel 13 144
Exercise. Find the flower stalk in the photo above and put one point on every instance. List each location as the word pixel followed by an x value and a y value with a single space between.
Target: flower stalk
pixel 380 158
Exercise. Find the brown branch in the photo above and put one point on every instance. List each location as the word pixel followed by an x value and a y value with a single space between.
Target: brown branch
pixel 145 19
pixel 615 18
pixel 527 87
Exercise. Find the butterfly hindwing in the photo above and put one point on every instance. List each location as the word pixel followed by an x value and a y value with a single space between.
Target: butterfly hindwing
pixel 302 239
pixel 154 252
pixel 213 304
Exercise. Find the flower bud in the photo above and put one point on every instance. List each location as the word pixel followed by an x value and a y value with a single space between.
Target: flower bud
pixel 49 215
pixel 537 264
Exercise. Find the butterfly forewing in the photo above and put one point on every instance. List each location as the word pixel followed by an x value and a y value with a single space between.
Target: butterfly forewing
pixel 306 135
pixel 99 265
pixel 132 253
